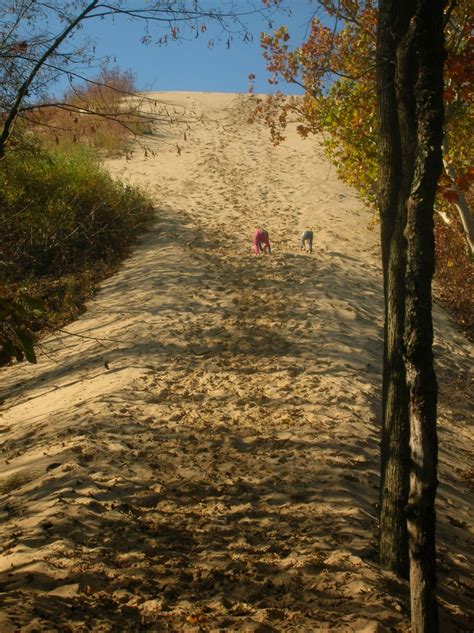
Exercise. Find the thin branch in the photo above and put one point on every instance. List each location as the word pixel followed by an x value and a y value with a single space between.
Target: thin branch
pixel 174 15
pixel 10 119
pixel 114 115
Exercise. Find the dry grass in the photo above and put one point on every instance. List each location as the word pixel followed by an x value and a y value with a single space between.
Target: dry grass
pixel 99 114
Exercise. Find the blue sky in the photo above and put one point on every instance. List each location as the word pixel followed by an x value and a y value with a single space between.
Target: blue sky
pixel 189 64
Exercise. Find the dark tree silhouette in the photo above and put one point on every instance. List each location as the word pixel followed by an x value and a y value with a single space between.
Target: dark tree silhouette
pixel 410 51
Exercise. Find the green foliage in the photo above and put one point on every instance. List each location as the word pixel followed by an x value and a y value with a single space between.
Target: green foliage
pixel 64 223
pixel 349 119
pixel 61 211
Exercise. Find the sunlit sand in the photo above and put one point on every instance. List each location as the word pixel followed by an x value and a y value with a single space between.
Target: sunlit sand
pixel 203 448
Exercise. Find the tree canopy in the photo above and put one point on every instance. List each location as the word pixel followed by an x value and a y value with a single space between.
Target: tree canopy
pixel 336 68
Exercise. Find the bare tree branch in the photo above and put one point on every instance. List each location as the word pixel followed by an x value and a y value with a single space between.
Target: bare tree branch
pixel 11 117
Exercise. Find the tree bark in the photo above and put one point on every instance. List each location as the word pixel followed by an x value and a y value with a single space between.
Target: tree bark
pixel 421 378
pixel 393 539
pixel 409 84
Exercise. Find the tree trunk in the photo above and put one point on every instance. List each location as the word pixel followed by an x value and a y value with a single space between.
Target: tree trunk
pixel 393 540
pixel 393 543
pixel 409 84
pixel 421 378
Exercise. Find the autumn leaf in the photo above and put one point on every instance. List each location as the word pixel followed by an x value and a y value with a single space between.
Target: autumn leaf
pixel 463 182
pixel 196 618
pixel 450 195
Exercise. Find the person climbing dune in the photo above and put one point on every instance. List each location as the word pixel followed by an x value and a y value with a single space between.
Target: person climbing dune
pixel 261 242
pixel 307 237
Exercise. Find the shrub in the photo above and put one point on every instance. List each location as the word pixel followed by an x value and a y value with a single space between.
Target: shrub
pixel 60 212
pixel 64 224
pixel 105 113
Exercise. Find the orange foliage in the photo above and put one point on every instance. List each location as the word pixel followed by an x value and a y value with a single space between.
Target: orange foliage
pixel 454 275
pixel 95 113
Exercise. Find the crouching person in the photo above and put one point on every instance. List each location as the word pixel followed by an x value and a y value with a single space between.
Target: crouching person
pixel 306 241
pixel 261 242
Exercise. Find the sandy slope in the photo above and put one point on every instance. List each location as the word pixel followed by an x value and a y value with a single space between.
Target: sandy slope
pixel 201 453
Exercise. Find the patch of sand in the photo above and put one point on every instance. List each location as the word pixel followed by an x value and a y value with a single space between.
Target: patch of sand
pixel 201 451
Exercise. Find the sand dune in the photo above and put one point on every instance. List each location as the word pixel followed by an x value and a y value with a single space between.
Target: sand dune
pixel 200 453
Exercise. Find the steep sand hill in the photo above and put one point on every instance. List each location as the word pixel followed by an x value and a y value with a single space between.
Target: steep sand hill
pixel 200 453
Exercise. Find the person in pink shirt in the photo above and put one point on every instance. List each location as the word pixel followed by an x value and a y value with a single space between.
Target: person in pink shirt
pixel 261 242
